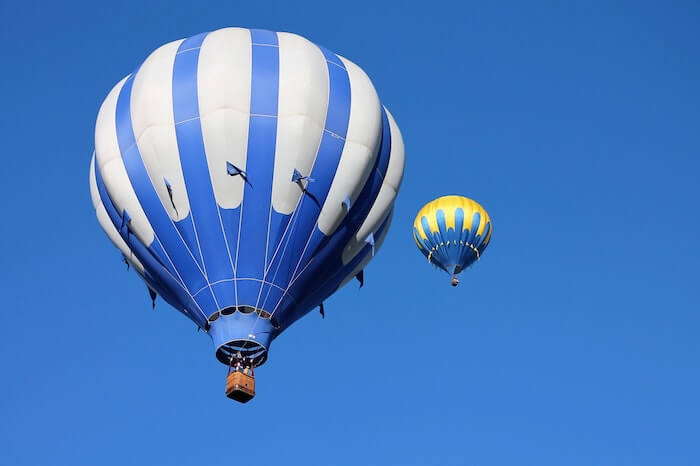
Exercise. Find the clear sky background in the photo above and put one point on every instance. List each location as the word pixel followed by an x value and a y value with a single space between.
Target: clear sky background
pixel 574 341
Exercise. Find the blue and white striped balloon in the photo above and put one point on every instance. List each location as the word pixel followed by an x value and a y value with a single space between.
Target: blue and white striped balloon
pixel 246 175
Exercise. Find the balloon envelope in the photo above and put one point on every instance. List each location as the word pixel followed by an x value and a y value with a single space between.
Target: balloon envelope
pixel 246 175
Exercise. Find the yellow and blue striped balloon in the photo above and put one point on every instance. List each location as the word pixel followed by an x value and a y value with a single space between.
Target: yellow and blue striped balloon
pixel 452 232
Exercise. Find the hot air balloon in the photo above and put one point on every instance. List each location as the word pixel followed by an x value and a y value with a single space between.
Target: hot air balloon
pixel 245 175
pixel 452 232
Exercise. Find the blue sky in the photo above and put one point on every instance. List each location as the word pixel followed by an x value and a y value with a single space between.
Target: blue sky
pixel 572 342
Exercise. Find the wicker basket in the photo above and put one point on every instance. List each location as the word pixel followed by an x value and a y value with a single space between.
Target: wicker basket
pixel 240 386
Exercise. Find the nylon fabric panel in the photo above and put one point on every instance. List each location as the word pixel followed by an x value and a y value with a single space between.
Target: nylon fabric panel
pixel 449 240
pixel 376 216
pixel 473 230
pixel 379 241
pixel 486 237
pixel 106 223
pixel 432 241
pixel 224 87
pixel 465 251
pixel 256 207
pixel 371 195
pixel 441 235
pixel 387 193
pixel 154 128
pixel 205 213
pixel 180 254
pixel 303 103
pixel 224 91
pixel 394 172
pixel 231 219
pixel 108 161
pixel 153 124
pixel 364 132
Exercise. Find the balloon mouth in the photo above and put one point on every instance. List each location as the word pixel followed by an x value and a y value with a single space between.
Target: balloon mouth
pixel 236 349
pixel 239 335
pixel 244 310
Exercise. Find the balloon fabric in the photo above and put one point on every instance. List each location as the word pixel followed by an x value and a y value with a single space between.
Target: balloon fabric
pixel 245 175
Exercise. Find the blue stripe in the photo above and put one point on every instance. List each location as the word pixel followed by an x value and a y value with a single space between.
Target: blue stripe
pixel 263 37
pixel 459 223
pixel 163 226
pixel 185 227
pixel 262 132
pixel 231 219
pixel 465 250
pixel 195 169
pixel 420 243
pixel 326 285
pixel 432 241
pixel 303 239
pixel 159 278
pixel 442 228
pixel 483 245
pixel 338 114
pixel 327 255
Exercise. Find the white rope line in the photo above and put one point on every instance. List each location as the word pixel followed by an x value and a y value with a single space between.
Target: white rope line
pixel 290 223
pixel 290 227
pixel 252 279
pixel 223 233
pixel 196 237
pixel 187 50
pixel 238 242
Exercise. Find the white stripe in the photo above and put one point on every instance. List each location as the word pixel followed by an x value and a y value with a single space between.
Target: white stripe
pixel 106 222
pixel 360 151
pixel 109 162
pixel 154 127
pixel 385 198
pixel 223 87
pixel 114 175
pixel 302 107
pixel 394 172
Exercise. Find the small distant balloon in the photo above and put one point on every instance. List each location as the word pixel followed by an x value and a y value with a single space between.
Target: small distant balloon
pixel 452 232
